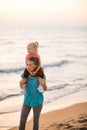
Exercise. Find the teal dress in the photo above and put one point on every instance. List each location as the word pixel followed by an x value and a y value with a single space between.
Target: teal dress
pixel 33 97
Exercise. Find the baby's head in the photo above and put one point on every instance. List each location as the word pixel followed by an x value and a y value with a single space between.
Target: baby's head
pixel 33 47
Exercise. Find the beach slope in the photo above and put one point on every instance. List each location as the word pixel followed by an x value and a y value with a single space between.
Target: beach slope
pixel 72 118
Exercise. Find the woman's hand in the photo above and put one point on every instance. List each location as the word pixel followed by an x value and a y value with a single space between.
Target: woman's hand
pixel 42 82
pixel 23 86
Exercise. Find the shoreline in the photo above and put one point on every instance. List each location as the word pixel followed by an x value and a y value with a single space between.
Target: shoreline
pixel 11 120
pixel 74 116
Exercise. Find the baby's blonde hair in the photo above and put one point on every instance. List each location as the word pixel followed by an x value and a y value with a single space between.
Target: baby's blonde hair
pixel 34 44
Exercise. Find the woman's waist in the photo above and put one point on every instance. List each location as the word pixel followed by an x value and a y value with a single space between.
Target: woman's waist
pixel 32 92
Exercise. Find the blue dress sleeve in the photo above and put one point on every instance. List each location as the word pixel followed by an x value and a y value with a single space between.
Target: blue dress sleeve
pixel 22 75
pixel 44 77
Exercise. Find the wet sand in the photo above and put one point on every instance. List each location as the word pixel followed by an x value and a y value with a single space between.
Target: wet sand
pixel 71 118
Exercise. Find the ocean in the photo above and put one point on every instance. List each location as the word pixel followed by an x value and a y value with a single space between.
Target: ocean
pixel 63 52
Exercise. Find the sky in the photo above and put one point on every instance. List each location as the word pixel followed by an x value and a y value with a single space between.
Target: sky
pixel 43 12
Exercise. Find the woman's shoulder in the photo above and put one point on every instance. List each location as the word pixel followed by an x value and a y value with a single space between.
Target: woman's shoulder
pixel 43 76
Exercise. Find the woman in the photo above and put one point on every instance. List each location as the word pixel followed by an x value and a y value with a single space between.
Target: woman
pixel 32 98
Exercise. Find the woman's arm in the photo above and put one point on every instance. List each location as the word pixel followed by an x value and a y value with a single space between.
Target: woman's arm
pixel 42 82
pixel 22 83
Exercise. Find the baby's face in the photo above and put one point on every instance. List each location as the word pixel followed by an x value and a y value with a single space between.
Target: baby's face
pixel 31 49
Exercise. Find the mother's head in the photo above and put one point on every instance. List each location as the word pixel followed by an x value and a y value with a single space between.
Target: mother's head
pixel 33 64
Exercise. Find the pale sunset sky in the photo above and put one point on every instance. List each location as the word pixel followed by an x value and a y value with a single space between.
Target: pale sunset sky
pixel 43 12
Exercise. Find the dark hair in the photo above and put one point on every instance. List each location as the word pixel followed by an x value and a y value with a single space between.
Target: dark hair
pixel 40 72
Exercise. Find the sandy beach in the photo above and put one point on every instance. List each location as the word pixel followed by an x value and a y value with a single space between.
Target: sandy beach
pixel 63 52
pixel 71 118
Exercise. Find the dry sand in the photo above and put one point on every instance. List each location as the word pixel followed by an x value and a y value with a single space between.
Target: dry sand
pixel 70 118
